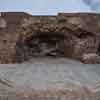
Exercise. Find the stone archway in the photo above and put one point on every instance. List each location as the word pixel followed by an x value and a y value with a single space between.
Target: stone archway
pixel 45 44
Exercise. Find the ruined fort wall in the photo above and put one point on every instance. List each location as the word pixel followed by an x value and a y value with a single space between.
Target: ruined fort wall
pixel 81 33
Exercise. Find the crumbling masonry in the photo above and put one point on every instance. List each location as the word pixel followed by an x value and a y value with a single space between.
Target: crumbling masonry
pixel 72 35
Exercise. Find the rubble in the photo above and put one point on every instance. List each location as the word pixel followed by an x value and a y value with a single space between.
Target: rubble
pixel 91 58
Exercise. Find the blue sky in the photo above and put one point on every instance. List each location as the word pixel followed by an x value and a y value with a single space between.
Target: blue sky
pixel 44 6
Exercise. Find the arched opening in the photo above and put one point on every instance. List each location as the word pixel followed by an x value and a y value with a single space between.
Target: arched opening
pixel 41 45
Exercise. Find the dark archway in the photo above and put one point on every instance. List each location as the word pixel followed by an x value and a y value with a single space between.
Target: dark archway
pixel 42 44
pixel 99 49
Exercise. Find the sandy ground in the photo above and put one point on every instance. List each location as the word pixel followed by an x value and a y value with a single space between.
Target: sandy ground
pixel 52 75
pixel 48 73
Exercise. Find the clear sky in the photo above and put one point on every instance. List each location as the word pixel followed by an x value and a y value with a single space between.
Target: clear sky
pixel 44 6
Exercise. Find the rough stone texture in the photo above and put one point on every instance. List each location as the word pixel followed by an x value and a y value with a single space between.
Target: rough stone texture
pixel 91 58
pixel 67 34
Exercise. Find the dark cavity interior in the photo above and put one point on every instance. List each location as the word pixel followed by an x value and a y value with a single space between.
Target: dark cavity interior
pixel 42 44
